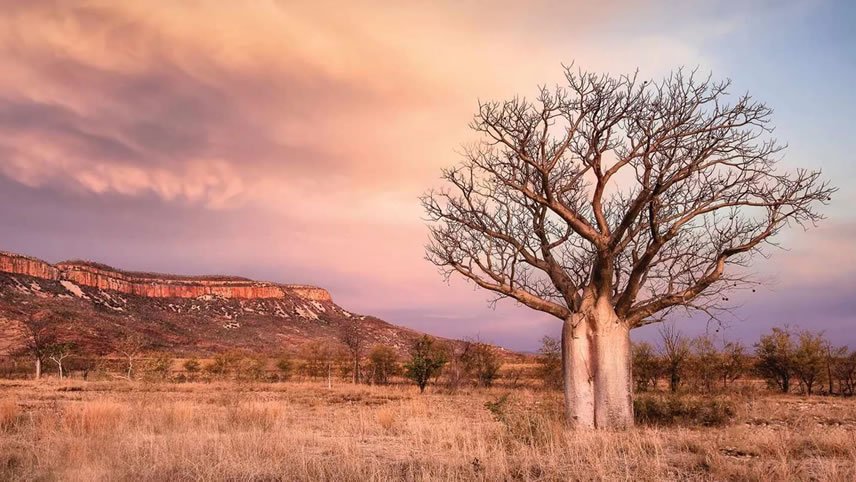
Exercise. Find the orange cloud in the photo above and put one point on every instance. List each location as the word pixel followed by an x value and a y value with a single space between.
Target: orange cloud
pixel 275 89
pixel 294 134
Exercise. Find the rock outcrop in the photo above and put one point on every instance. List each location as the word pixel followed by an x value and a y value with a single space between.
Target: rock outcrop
pixel 155 285
pixel 95 306
pixel 19 264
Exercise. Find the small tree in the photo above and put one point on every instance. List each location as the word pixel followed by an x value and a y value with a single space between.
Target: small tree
pixel 844 371
pixel 809 359
pixel 706 362
pixel 482 361
pixel 225 363
pixel 352 336
pixel 775 353
pixel 675 351
pixel 646 366
pixel 40 337
pixel 250 367
pixel 160 365
pixel 318 359
pixel 130 346
pixel 550 362
pixel 284 366
pixel 426 361
pixel 734 362
pixel 383 364
pixel 59 352
pixel 87 365
pixel 192 367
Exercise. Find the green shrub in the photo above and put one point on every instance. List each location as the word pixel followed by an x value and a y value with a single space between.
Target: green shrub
pixel 426 362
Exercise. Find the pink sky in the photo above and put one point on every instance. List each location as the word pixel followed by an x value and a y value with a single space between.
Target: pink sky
pixel 290 140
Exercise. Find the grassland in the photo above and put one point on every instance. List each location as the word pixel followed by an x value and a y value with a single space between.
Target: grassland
pixel 85 431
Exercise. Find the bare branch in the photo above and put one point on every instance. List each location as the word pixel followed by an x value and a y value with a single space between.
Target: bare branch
pixel 653 194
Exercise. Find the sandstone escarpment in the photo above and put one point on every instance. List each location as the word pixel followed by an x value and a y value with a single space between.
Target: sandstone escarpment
pixel 154 285
pixel 19 264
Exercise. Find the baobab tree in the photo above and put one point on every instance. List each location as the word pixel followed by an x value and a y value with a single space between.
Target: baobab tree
pixel 610 202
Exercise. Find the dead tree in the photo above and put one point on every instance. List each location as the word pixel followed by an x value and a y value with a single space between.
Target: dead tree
pixel 58 353
pixel 130 346
pixel 610 202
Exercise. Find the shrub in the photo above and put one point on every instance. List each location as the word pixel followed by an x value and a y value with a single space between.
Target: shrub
pixel 843 370
pixel 192 367
pixel 225 363
pixel 809 359
pixel 646 366
pixel 160 365
pixel 550 362
pixel 483 362
pixel 775 353
pixel 668 410
pixel 319 358
pixel 734 362
pixel 705 363
pixel 285 367
pixel 250 368
pixel 675 353
pixel 426 362
pixel 383 363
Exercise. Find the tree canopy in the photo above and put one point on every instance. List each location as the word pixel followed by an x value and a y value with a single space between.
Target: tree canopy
pixel 643 193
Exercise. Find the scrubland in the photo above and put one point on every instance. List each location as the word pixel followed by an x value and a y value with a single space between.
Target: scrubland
pixel 107 430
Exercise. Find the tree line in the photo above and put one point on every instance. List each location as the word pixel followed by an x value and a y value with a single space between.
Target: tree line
pixel 350 356
pixel 785 359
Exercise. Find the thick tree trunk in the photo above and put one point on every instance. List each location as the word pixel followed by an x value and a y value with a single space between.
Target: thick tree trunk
pixel 38 368
pixel 577 372
pixel 613 389
pixel 596 369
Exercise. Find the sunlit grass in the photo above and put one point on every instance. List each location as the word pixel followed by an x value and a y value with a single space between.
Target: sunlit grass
pixel 302 431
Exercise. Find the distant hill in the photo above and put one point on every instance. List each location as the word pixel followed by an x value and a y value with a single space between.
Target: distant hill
pixel 94 305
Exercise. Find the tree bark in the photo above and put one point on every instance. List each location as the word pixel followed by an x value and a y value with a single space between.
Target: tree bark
pixel 613 388
pixel 596 370
pixel 38 368
pixel 577 372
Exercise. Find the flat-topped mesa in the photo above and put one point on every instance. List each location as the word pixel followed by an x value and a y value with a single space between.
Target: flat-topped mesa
pixel 155 285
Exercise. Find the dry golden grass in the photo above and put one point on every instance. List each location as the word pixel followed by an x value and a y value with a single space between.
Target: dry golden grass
pixel 9 412
pixel 302 431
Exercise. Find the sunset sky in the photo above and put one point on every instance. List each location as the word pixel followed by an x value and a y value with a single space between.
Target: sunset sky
pixel 289 141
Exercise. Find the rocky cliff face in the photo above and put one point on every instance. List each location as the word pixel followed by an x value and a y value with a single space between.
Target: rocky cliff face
pixel 93 306
pixel 19 264
pixel 155 285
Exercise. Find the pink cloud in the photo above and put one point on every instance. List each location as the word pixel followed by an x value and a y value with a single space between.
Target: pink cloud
pixel 293 138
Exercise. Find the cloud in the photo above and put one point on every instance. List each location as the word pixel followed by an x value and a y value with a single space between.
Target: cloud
pixel 94 91
pixel 290 140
